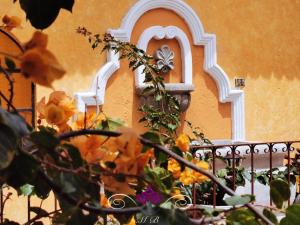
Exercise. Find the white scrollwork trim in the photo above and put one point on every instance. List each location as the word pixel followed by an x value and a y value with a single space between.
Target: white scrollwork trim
pixel 226 93
pixel 116 201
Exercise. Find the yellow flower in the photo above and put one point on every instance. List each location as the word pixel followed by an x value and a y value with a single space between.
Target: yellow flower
pixel 199 178
pixel 104 201
pixel 38 39
pixel 176 193
pixel 91 150
pixel 91 120
pixel 119 187
pixel 41 66
pixel 183 142
pixel 131 222
pixel 11 22
pixel 187 177
pixel 58 110
pixel 54 114
pixel 38 63
pixel 174 168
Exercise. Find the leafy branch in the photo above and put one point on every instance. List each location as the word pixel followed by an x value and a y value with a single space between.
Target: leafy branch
pixel 164 115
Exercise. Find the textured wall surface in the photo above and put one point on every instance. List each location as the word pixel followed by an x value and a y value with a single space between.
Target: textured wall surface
pixel 256 39
pixel 259 40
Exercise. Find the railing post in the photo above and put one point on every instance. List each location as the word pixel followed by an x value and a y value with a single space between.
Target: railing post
pixel 271 165
pixel 288 148
pixel 252 167
pixel 214 173
pixel 233 148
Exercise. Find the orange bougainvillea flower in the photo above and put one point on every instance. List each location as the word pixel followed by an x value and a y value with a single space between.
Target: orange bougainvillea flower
pixel 58 110
pixel 90 120
pixel 174 168
pixel 104 201
pixel 11 22
pixel 183 142
pixel 92 150
pixel 115 186
pixel 38 63
pixel 41 66
pixel 199 177
pixel 189 176
pixel 39 39
pixel 131 222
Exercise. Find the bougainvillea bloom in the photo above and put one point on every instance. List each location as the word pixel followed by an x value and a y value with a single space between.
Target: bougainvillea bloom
pixel 183 142
pixel 149 195
pixel 58 110
pixel 174 168
pixel 11 22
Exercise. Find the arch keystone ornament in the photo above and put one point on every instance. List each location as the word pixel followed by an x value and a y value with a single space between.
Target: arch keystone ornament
pixel 226 93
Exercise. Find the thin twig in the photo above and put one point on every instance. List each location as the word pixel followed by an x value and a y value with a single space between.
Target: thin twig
pixel 177 158
pixel 11 87
pixel 37 217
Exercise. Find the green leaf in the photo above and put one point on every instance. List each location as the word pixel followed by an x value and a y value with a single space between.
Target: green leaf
pixel 27 189
pixel 241 217
pixel 23 170
pixel 78 218
pixel 44 139
pixel 75 155
pixel 14 122
pixel 292 215
pixel 238 200
pixel 279 192
pixel 267 213
pixel 8 146
pixel 10 63
pixel 152 136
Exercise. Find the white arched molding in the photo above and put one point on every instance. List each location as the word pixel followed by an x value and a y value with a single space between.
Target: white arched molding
pixel 170 32
pixel 226 93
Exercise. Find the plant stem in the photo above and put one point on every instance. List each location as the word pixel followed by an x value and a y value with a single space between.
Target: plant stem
pixel 11 87
pixel 174 156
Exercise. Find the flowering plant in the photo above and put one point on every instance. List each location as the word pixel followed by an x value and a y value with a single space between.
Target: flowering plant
pixel 93 167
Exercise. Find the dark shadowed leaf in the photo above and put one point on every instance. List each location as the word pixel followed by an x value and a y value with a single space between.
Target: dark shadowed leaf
pixel 8 145
pixel 39 211
pixel 241 217
pixel 42 13
pixel 279 192
pixel 44 139
pixel 8 222
pixel 162 216
pixel 270 216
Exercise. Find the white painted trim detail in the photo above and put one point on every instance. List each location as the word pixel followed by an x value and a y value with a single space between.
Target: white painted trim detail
pixel 226 93
pixel 170 32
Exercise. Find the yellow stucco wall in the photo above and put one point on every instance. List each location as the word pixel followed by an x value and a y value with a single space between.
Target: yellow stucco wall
pixel 256 39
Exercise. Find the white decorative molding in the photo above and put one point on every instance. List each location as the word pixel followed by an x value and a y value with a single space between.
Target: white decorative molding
pixel 170 32
pixel 226 93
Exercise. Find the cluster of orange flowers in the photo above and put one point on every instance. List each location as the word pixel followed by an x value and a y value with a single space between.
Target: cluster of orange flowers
pixel 37 63
pixel 187 176
pixel 124 151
